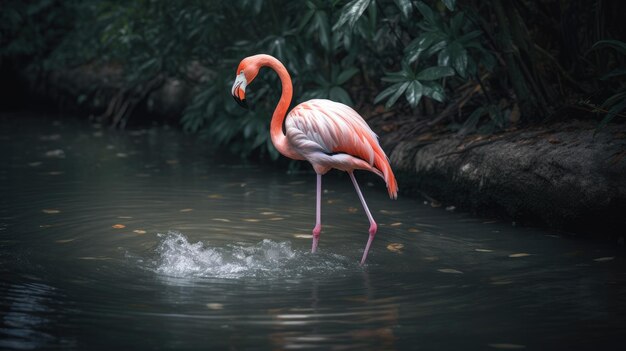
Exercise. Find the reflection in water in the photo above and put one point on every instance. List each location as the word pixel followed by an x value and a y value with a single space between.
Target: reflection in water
pixel 27 321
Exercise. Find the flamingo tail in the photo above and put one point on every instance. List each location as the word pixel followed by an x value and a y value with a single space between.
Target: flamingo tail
pixel 381 163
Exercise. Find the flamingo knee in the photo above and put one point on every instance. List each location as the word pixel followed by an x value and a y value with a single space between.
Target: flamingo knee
pixel 373 228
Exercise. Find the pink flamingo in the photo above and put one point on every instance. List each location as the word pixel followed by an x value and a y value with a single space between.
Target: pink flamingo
pixel 328 134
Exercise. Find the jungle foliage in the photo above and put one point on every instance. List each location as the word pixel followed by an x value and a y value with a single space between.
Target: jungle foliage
pixel 469 65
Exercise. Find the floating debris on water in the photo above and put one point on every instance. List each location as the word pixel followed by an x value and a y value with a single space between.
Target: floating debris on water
pixel 57 153
pixel 395 247
pixel 450 270
pixel 521 254
pixel 50 211
pixel 507 346
pixel 303 236
pixel 604 259
pixel 63 241
pixel 118 226
pixel 215 306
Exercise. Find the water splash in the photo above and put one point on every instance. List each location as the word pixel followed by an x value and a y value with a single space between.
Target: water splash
pixel 180 258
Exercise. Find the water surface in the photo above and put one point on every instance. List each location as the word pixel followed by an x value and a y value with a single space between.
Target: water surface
pixel 142 240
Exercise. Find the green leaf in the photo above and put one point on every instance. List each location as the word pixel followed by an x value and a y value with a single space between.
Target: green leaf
pixel 394 77
pixel 458 56
pixel 436 72
pixel 405 7
pixel 305 19
pixel 615 44
pixel 351 13
pixel 414 93
pixel 434 91
pixel 466 38
pixel 421 44
pixel 443 59
pixel 387 92
pixel 449 4
pixel 392 100
pixel 323 26
pixel 437 47
pixel 456 23
pixel 346 75
pixel 341 95
pixel 427 12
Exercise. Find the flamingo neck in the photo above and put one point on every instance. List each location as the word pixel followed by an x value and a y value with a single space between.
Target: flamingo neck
pixel 276 127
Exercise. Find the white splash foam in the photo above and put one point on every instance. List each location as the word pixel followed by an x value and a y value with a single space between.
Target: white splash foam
pixel 180 258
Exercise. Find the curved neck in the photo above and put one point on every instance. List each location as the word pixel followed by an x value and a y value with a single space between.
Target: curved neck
pixel 276 127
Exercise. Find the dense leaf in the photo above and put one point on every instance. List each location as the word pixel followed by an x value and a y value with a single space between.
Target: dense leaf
pixel 387 92
pixel 433 91
pixel 615 44
pixel 341 95
pixel 427 12
pixel 414 93
pixel 449 4
pixel 394 97
pixel 436 72
pixel 347 74
pixel 458 56
pixel 351 13
pixel 406 8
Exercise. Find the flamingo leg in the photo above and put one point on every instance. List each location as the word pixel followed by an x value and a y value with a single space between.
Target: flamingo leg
pixel 373 225
pixel 318 215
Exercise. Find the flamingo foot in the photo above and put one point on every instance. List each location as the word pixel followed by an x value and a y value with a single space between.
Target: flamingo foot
pixel 372 231
pixel 316 237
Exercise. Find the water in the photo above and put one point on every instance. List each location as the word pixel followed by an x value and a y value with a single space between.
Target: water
pixel 141 240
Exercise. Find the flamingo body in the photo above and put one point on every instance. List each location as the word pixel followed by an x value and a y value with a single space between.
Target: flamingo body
pixel 328 134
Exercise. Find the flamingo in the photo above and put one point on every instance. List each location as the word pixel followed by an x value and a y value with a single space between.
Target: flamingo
pixel 328 134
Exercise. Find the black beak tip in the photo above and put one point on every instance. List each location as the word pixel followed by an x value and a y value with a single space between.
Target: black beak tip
pixel 241 102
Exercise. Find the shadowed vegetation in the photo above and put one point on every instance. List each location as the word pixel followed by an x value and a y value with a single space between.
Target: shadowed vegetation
pixel 471 66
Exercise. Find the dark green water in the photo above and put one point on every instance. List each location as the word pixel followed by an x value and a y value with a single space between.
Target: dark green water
pixel 214 256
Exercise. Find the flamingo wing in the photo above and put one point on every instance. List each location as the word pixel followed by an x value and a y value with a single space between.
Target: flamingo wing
pixel 332 135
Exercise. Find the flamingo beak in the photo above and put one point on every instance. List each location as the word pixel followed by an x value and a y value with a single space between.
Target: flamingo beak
pixel 239 90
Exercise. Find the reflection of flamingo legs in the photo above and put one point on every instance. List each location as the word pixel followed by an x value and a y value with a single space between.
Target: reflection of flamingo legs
pixel 373 225
pixel 318 214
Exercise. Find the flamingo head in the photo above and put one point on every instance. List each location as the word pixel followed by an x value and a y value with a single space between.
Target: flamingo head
pixel 246 72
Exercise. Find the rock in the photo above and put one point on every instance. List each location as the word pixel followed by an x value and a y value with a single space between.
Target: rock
pixel 577 184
